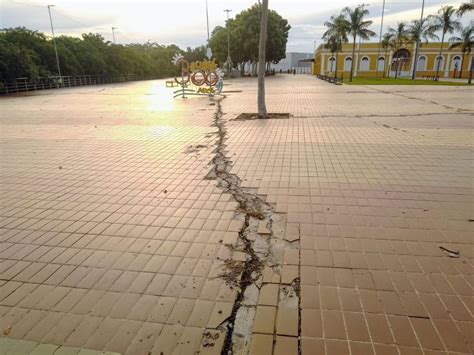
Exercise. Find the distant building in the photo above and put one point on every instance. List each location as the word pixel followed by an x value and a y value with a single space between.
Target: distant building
pixel 302 62
pixel 390 61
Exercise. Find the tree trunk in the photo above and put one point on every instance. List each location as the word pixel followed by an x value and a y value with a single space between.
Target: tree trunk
pixel 335 73
pixel 438 61
pixel 470 71
pixel 462 63
pixel 262 108
pixel 352 59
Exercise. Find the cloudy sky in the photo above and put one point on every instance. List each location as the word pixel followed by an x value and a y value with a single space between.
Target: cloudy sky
pixel 184 22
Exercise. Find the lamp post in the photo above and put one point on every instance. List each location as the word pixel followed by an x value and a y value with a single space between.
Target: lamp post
pixel 229 61
pixel 358 49
pixel 113 33
pixel 380 43
pixel 415 59
pixel 208 49
pixel 54 42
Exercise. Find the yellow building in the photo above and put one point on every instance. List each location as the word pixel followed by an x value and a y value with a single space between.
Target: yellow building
pixel 389 61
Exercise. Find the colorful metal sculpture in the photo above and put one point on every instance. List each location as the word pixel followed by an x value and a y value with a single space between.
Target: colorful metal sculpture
pixel 205 75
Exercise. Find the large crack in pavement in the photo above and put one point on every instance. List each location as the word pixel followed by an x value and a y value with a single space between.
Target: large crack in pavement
pixel 261 241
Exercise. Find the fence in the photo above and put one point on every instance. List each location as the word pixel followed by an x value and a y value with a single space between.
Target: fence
pixel 331 79
pixel 26 84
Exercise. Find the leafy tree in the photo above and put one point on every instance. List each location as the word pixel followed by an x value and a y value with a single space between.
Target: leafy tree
pixel 26 53
pixel 358 27
pixel 445 22
pixel 244 37
pixel 465 43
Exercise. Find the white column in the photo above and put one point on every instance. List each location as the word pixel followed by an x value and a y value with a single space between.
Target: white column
pixel 447 65
pixel 322 64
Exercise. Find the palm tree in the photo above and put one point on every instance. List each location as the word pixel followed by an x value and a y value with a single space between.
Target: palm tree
pixel 463 8
pixel 465 43
pixel 357 28
pixel 398 36
pixel 445 22
pixel 421 31
pixel 386 43
pixel 262 108
pixel 336 35
pixel 418 32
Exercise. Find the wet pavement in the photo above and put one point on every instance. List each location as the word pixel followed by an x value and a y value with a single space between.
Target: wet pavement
pixel 135 223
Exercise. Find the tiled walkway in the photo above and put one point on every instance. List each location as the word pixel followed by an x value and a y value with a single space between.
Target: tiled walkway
pixel 115 237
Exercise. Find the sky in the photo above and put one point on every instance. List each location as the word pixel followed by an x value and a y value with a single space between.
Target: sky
pixel 184 22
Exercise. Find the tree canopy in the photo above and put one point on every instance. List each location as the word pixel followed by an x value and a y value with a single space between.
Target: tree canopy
pixel 30 54
pixel 244 33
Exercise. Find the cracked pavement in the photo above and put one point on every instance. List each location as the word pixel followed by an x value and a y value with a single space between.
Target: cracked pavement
pixel 134 223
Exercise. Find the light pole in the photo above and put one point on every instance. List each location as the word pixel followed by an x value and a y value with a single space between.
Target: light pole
pixel 360 41
pixel 208 50
pixel 415 59
pixel 229 61
pixel 113 33
pixel 380 43
pixel 54 42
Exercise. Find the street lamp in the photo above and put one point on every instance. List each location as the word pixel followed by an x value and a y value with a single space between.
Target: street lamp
pixel 415 59
pixel 54 42
pixel 360 41
pixel 208 51
pixel 113 33
pixel 380 43
pixel 229 61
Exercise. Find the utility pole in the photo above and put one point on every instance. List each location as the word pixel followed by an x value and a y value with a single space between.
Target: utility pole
pixel 113 33
pixel 415 59
pixel 229 61
pixel 54 42
pixel 208 50
pixel 380 43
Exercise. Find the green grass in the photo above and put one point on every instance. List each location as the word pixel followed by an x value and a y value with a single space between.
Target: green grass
pixel 402 81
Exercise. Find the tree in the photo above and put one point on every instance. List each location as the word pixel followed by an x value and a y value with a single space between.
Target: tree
pixel 419 32
pixel 336 35
pixel 445 22
pixel 262 109
pixel 465 43
pixel 398 36
pixel 463 8
pixel 358 27
pixel 244 31
pixel 30 54
pixel 387 43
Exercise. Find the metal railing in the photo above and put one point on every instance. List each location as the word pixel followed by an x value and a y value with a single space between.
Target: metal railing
pixel 330 79
pixel 27 84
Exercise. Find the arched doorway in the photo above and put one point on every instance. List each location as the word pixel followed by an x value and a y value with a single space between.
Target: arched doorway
pixel 400 62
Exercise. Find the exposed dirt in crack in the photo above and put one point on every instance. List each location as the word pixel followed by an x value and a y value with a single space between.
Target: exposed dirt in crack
pixel 258 250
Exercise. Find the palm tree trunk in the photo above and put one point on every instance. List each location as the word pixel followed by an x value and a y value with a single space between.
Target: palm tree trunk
pixel 352 59
pixel 439 56
pixel 470 72
pixel 462 63
pixel 262 108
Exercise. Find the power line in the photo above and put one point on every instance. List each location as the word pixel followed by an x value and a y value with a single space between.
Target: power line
pixel 25 4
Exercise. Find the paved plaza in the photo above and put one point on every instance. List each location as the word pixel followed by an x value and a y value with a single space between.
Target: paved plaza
pixel 134 223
